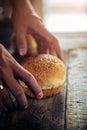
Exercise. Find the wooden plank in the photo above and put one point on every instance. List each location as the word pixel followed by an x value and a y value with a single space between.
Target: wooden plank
pixel 76 110
pixel 46 114
pixel 72 40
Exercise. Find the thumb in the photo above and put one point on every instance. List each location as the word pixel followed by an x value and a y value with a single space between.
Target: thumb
pixel 21 44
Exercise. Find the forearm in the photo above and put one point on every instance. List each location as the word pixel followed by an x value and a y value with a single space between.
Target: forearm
pixel 24 5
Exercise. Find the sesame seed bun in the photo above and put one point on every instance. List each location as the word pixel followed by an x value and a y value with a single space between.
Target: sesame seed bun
pixel 49 72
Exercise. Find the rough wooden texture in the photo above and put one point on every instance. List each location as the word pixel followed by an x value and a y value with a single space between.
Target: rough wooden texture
pixel 46 114
pixel 76 116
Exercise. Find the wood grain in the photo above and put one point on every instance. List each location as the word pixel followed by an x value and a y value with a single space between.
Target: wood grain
pixel 46 114
pixel 77 90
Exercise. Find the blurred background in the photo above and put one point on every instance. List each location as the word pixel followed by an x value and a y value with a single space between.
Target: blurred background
pixel 59 16
pixel 65 15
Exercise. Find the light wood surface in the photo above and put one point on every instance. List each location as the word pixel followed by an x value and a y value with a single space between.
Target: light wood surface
pixel 76 105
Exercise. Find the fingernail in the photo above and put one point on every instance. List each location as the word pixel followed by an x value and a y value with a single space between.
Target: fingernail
pixel 22 52
pixel 40 95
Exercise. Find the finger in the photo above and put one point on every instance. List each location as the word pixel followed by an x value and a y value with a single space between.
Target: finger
pixel 40 46
pixel 42 50
pixel 53 52
pixel 60 56
pixel 29 79
pixel 58 51
pixel 47 37
pixel 5 98
pixel 21 44
pixel 47 51
pixel 43 32
pixel 17 91
pixel 4 52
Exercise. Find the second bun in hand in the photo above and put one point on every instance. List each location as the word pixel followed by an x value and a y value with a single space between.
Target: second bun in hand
pixel 31 45
pixel 49 72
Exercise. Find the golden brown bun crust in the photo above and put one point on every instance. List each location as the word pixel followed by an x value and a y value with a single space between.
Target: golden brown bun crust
pixel 32 45
pixel 49 72
pixel 46 93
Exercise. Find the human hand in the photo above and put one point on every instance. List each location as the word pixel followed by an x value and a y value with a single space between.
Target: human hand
pixel 26 21
pixel 9 69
